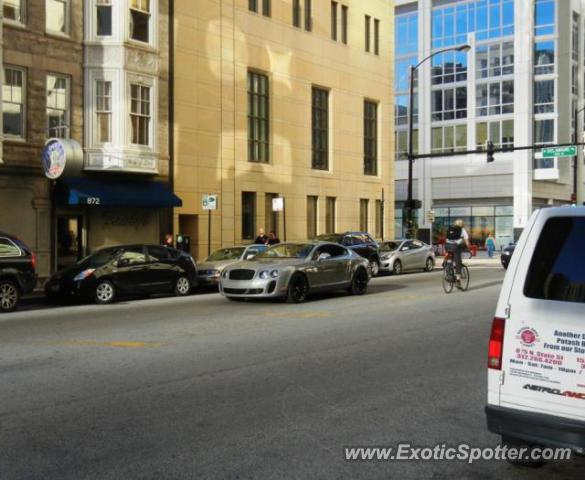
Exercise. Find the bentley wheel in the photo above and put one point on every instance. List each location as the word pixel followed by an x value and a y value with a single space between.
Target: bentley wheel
pixel 359 282
pixel 105 292
pixel 298 288
pixel 9 296
pixel 182 286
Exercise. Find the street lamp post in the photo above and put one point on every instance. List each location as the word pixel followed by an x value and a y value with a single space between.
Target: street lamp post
pixel 576 161
pixel 409 207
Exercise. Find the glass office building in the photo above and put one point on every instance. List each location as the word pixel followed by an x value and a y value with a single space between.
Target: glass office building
pixel 513 87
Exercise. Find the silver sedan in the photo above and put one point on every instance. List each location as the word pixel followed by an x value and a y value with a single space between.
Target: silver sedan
pixel 398 256
pixel 209 270
pixel 293 270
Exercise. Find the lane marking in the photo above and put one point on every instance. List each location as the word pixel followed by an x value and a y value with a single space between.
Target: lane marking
pixel 112 344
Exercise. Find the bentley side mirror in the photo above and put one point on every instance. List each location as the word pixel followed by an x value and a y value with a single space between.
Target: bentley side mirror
pixel 323 256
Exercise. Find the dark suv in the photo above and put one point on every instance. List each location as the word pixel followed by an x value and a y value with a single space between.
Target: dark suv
pixel 17 271
pixel 361 243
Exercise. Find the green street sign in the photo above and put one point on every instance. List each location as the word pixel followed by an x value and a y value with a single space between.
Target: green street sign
pixel 559 152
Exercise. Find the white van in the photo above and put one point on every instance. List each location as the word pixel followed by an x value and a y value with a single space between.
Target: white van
pixel 536 360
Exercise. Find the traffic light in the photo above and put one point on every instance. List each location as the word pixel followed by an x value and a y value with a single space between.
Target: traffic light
pixel 489 146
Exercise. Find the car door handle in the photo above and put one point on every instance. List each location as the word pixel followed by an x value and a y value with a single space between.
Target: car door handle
pixel 133 269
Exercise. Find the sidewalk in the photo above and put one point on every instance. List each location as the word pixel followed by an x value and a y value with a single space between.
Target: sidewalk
pixel 481 259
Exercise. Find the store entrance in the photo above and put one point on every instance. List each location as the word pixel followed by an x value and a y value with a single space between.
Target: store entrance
pixel 70 243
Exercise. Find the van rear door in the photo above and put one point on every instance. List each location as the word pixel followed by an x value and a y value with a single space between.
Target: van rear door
pixel 544 343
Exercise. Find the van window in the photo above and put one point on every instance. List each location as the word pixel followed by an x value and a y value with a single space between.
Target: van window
pixel 557 269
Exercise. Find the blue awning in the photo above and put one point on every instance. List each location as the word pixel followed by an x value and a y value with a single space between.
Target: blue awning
pixel 114 193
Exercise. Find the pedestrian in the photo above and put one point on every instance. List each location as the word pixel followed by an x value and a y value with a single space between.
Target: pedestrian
pixel 490 245
pixel 272 238
pixel 168 241
pixel 261 239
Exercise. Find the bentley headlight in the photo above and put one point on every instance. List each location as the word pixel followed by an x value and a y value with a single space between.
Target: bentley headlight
pixel 225 274
pixel 264 274
pixel 274 273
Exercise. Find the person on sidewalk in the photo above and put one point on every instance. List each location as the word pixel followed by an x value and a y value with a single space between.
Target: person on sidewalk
pixel 490 245
pixel 261 239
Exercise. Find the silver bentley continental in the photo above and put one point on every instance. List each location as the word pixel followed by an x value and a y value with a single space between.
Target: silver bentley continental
pixel 293 270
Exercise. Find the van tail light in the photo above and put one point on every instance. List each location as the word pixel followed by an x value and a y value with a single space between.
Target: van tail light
pixel 33 261
pixel 496 346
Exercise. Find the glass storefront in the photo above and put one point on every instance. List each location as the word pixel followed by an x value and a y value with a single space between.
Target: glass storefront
pixel 479 223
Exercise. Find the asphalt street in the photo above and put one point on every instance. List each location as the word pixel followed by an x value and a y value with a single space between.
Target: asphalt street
pixel 200 387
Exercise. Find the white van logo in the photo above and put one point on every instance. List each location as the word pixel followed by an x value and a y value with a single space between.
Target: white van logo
pixel 528 336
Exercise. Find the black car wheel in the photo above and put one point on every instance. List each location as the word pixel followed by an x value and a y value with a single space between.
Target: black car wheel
pixel 298 288
pixel 105 292
pixel 9 296
pixel 429 265
pixel 359 282
pixel 374 267
pixel 397 268
pixel 182 286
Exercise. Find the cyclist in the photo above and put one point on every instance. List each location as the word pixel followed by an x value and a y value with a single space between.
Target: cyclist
pixel 457 238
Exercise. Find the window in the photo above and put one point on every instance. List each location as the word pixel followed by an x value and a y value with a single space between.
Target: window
pixel 308 16
pixel 13 10
pixel 57 16
pixel 330 215
pixel 495 60
pixel 344 13
pixel 575 38
pixel 544 96
pixel 367 32
pixel 449 67
pixel 364 204
pixel 312 201
pixel 104 18
pixel 401 109
pixel 140 114
pixel 296 13
pixel 376 36
pixel 449 104
pixel 8 249
pixel 544 131
pixel 401 143
pixel 140 20
pixel 495 98
pixel 406 35
pixel 270 216
pixel 320 129
pixel 253 5
pixel 544 17
pixel 13 101
pixel 267 8
pixel 103 109
pixel 258 118
pixel 159 253
pixel 500 132
pixel 370 138
pixel 557 268
pixel 133 256
pixel 544 57
pixel 378 228
pixel 334 21
pixel 248 215
pixel 450 138
pixel 57 106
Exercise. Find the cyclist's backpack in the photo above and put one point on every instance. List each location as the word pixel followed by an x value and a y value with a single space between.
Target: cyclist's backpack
pixel 454 233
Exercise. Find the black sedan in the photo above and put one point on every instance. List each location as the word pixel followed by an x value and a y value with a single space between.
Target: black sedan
pixel 361 243
pixel 125 270
pixel 507 255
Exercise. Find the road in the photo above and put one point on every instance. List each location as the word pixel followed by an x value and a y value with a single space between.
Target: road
pixel 200 387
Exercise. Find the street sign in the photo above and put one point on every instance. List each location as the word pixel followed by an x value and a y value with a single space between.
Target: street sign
pixel 209 202
pixel 559 152
pixel 278 204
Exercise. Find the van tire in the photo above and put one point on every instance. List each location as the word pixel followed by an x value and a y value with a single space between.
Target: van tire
pixel 517 443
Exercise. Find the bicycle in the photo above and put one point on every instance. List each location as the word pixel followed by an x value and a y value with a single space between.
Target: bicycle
pixel 449 278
